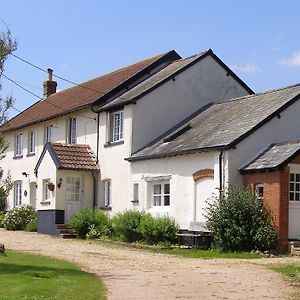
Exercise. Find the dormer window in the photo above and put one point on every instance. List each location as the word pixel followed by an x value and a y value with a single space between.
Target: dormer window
pixel 49 134
pixel 19 145
pixel 71 131
pixel 117 126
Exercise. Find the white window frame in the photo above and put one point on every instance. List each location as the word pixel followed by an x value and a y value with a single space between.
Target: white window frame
pixel 117 126
pixel 72 131
pixel 49 134
pixel 259 191
pixel 158 197
pixel 294 187
pixel 31 142
pixel 19 145
pixel 18 193
pixel 46 191
pixel 73 189
pixel 135 192
pixel 107 193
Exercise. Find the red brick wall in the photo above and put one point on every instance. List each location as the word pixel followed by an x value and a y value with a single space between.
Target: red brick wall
pixel 276 191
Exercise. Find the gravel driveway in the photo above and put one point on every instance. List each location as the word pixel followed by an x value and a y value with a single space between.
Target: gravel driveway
pixel 136 274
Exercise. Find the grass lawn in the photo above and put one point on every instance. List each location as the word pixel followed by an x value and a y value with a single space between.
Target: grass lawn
pixel 25 276
pixel 208 254
pixel 292 271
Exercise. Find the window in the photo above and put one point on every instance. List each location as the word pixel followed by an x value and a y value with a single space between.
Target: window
pixel 107 193
pixel 294 187
pixel 18 193
pixel 117 126
pixel 19 145
pixel 31 142
pixel 161 194
pixel 46 192
pixel 73 189
pixel 71 131
pixel 135 192
pixel 48 134
pixel 259 191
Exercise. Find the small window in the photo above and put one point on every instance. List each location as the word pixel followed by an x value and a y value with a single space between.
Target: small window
pixel 46 192
pixel 294 187
pixel 107 193
pixel 73 189
pixel 31 142
pixel 259 191
pixel 116 126
pixel 18 193
pixel 71 131
pixel 19 145
pixel 161 194
pixel 49 134
pixel 135 192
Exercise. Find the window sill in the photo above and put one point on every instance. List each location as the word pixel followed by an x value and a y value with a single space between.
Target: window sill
pixel 18 157
pixel 110 144
pixel 45 202
pixel 107 208
pixel 30 154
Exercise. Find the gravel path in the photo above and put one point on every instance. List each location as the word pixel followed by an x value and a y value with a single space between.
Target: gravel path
pixel 136 274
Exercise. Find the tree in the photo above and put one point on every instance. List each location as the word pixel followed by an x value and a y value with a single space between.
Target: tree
pixel 7 46
pixel 239 220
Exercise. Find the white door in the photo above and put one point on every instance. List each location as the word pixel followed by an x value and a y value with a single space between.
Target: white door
pixel 73 197
pixel 204 191
pixel 32 188
pixel 294 205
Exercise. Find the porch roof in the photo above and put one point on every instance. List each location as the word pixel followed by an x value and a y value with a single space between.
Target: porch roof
pixel 70 157
pixel 275 156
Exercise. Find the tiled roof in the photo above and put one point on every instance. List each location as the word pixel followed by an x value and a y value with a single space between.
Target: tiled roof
pixel 277 155
pixel 70 157
pixel 220 125
pixel 81 96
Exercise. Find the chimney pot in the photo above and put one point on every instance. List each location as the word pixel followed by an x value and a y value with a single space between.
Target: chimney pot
pixel 49 86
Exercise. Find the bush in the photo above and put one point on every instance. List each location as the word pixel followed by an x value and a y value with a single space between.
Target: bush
pixel 126 225
pixel 32 226
pixel 158 230
pixel 88 220
pixel 239 221
pixel 3 196
pixel 1 219
pixel 18 217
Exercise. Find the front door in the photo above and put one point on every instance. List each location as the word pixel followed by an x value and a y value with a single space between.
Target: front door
pixel 204 191
pixel 73 197
pixel 32 196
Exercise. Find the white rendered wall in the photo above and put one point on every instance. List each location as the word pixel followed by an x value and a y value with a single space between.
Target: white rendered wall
pixel 182 185
pixel 285 128
pixel 165 106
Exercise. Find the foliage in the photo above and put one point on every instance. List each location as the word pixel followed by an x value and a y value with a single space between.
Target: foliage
pixel 1 219
pixel 290 270
pixel 32 225
pixel 96 221
pixel 18 217
pixel 126 225
pixel 239 221
pixel 25 276
pixel 159 229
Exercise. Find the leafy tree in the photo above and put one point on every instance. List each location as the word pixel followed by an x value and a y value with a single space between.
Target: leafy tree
pixel 7 46
pixel 240 221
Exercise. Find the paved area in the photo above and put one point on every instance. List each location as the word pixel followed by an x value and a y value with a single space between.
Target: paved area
pixel 136 274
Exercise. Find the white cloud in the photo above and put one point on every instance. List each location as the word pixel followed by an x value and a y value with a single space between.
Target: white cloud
pixel 294 60
pixel 247 68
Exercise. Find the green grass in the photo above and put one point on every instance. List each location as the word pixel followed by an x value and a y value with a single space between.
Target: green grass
pixel 24 276
pixel 292 271
pixel 208 254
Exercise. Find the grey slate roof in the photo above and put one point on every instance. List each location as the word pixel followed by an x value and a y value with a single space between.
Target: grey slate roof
pixel 275 156
pixel 154 80
pixel 221 125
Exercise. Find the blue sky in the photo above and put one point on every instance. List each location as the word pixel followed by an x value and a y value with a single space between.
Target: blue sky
pixel 259 40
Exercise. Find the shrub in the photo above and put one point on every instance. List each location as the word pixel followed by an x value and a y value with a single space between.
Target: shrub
pixel 18 217
pixel 1 219
pixel 32 226
pixel 126 225
pixel 88 219
pixel 3 196
pixel 239 221
pixel 158 230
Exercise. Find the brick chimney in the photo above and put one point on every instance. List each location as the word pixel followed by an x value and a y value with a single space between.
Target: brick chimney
pixel 49 86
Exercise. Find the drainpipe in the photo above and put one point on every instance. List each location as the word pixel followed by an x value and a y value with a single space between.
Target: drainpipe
pixel 98 138
pixel 221 155
pixel 94 174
